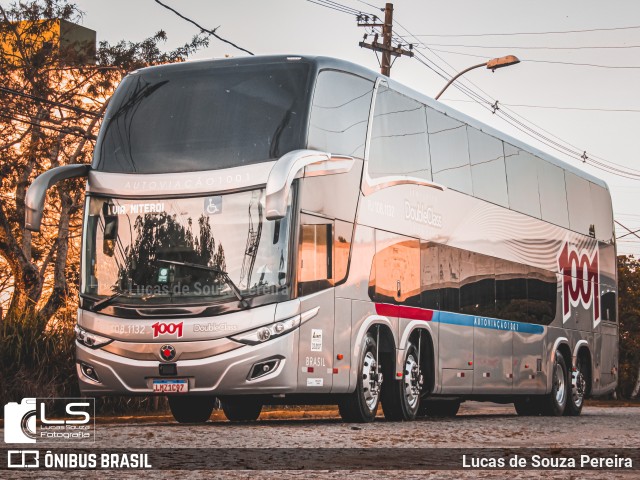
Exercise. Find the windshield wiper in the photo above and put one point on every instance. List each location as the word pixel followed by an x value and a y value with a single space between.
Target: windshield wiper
pixel 96 307
pixel 222 273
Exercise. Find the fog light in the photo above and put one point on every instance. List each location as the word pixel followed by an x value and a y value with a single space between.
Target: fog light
pixel 89 372
pixel 263 368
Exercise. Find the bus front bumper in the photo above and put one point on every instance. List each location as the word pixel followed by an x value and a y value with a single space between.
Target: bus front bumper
pixel 228 373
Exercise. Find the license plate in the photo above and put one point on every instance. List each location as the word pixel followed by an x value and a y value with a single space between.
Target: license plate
pixel 177 385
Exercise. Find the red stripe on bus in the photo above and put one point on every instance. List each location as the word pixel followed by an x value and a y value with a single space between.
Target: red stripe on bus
pixel 404 312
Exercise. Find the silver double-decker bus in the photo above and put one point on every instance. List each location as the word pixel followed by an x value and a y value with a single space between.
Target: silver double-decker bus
pixel 302 230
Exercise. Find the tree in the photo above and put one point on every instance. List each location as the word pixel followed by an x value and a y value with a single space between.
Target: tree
pixel 629 321
pixel 52 102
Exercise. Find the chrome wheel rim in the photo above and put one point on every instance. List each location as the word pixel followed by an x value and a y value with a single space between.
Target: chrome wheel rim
pixel 578 387
pixel 559 383
pixel 412 381
pixel 370 381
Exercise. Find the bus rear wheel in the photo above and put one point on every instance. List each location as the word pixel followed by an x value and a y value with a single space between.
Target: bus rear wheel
pixel 241 409
pixel 578 387
pixel 401 399
pixel 555 402
pixel 191 409
pixel 439 408
pixel 361 405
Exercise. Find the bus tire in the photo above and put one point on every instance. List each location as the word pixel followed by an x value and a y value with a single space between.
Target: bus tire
pixel 361 405
pixel 577 387
pixel 191 409
pixel 555 402
pixel 401 399
pixel 241 409
pixel 439 408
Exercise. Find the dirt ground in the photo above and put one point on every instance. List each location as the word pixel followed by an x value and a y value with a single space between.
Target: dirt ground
pixel 478 425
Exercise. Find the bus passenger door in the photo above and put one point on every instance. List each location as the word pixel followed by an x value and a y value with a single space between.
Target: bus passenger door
pixel 315 282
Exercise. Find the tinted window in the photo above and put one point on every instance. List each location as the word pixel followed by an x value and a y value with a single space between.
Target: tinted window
pixel 542 295
pixel 340 113
pixel 449 259
pixel 429 276
pixel 449 151
pixel 578 195
pixel 602 214
pixel 203 117
pixel 477 292
pixel 511 291
pixel 397 268
pixel 522 181
pixel 553 194
pixel 487 167
pixel 398 137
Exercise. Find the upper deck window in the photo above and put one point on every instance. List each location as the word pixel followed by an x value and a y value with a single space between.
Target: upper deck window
pixel 204 117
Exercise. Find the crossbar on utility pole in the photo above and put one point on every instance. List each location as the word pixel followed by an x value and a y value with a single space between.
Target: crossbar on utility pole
pixel 387 35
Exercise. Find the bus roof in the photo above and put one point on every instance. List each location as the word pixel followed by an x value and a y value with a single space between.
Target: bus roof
pixel 321 62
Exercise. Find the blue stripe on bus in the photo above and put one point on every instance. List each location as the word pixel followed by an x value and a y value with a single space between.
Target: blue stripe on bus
pixel 486 322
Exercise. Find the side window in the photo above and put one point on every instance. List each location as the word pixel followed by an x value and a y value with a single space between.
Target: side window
pixel 449 148
pixel 340 113
pixel 315 264
pixel 429 276
pixel 608 304
pixel 511 290
pixel 398 137
pixel 522 181
pixel 397 269
pixel 578 192
pixel 488 173
pixel 553 194
pixel 542 292
pixel 602 212
pixel 449 274
pixel 477 291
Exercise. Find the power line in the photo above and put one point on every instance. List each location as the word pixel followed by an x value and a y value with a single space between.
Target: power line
pixel 50 102
pixel 602 165
pixel 202 29
pixel 560 108
pixel 584 64
pixel 631 232
pixel 49 127
pixel 524 33
pixel 534 48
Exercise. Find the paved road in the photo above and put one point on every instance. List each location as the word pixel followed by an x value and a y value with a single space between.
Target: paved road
pixel 477 425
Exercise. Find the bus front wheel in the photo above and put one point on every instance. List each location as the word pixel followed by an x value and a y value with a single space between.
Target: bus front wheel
pixel 361 405
pixel 241 409
pixel 191 409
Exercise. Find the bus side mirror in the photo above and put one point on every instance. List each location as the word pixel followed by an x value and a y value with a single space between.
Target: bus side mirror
pixel 37 192
pixel 308 163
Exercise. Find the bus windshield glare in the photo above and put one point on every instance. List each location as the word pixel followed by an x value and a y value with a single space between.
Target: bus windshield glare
pixel 188 251
pixel 203 117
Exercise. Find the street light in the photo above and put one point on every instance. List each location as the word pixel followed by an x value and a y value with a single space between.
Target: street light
pixel 491 65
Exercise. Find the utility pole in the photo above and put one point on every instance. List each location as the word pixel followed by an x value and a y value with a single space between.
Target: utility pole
pixel 387 35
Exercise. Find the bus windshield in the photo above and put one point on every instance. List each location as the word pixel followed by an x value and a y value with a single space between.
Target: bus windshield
pixel 149 252
pixel 204 116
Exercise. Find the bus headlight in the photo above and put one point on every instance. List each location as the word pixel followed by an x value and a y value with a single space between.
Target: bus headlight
pixel 91 340
pixel 262 334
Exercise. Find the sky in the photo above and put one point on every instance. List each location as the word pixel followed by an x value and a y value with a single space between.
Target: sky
pixel 593 108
